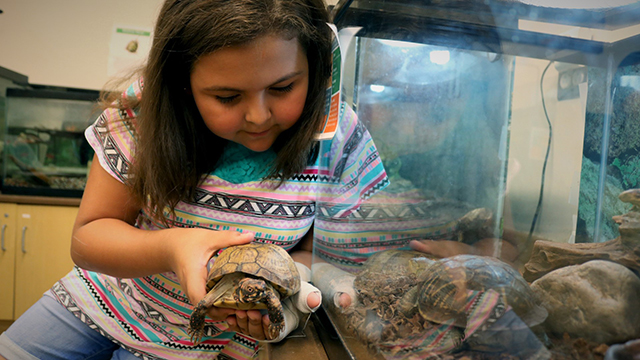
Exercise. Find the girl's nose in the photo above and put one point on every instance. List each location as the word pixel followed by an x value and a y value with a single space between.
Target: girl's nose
pixel 258 111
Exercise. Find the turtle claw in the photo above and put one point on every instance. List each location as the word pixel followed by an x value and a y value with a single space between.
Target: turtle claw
pixel 274 331
pixel 195 336
pixel 196 323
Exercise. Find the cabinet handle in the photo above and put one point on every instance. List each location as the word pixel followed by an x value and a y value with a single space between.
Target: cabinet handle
pixel 4 227
pixel 24 230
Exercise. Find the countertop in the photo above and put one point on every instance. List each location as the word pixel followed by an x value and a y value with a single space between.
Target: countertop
pixel 298 345
pixel 39 200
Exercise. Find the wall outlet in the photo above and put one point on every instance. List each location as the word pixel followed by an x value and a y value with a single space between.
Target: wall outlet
pixel 568 81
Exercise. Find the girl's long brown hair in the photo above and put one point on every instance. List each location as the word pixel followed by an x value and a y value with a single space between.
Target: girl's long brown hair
pixel 174 147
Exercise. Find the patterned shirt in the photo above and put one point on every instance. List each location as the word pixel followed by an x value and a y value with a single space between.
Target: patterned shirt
pixel 149 316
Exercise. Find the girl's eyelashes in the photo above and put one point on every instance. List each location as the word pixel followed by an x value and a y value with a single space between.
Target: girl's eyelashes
pixel 283 89
pixel 232 98
pixel 227 99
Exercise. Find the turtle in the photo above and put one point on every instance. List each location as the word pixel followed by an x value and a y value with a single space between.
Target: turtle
pixel 441 295
pixel 384 277
pixel 250 276
pixel 384 271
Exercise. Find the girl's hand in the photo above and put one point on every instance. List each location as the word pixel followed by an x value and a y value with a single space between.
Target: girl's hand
pixel 190 251
pixel 485 247
pixel 249 322
pixel 256 325
pixel 443 248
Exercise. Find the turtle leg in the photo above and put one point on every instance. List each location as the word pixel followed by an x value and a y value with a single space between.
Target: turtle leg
pixel 196 322
pixel 408 303
pixel 276 313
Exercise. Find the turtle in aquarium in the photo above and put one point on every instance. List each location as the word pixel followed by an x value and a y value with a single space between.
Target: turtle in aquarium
pixel 442 293
pixel 251 276
pixel 385 271
pixel 384 277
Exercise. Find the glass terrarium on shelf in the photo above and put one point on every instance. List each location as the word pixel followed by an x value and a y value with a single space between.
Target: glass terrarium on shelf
pixel 44 151
pixel 510 135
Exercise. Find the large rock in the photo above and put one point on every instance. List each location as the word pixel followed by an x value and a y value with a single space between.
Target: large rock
pixel 548 256
pixel 597 300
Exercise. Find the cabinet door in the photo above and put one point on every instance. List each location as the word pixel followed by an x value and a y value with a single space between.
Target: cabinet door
pixel 7 259
pixel 43 242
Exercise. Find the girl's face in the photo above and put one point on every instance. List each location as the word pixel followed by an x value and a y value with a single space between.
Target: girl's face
pixel 251 93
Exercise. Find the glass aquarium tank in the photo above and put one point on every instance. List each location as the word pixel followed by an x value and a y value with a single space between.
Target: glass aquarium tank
pixel 44 152
pixel 508 223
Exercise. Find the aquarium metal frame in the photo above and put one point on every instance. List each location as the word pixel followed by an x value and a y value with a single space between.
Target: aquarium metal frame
pixel 55 93
pixel 393 21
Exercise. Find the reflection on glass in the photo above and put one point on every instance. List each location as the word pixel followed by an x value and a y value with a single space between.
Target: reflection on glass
pixel 509 226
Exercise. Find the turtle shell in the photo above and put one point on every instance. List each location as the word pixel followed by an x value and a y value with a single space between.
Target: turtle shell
pixel 266 261
pixel 390 266
pixel 443 294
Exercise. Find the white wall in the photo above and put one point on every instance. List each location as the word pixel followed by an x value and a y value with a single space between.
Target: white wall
pixel 528 145
pixel 66 42
pixel 529 135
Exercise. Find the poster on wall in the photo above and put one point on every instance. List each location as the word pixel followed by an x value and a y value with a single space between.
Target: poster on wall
pixel 128 49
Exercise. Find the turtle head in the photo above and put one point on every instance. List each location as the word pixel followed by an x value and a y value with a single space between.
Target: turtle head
pixel 250 290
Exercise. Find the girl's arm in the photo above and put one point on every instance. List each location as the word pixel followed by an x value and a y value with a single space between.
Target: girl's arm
pixel 303 251
pixel 105 240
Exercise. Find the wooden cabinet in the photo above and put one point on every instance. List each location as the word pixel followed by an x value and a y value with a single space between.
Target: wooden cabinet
pixel 37 240
pixel 7 259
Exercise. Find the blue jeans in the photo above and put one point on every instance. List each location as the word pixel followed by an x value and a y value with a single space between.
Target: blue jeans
pixel 49 331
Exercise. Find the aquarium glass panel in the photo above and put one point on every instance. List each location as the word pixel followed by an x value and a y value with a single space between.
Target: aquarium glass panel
pixel 509 134
pixel 44 149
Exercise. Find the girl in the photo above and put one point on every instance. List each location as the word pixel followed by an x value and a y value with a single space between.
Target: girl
pixel 212 147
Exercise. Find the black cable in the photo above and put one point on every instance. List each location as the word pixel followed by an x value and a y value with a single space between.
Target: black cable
pixel 339 10
pixel 546 158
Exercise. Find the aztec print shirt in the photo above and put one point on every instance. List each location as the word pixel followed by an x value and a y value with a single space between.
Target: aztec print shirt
pixel 149 316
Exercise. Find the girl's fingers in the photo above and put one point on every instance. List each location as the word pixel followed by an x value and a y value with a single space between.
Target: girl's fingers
pixel 265 324
pixel 231 238
pixel 248 322
pixel 313 300
pixel 255 325
pixel 232 322
pixel 192 281
pixel 193 277
pixel 241 319
pixel 220 314
pixel 344 300
pixel 441 248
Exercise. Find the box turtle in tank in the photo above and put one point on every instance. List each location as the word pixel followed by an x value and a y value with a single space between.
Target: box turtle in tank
pixel 251 276
pixel 384 277
pixel 442 294
pixel 386 271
